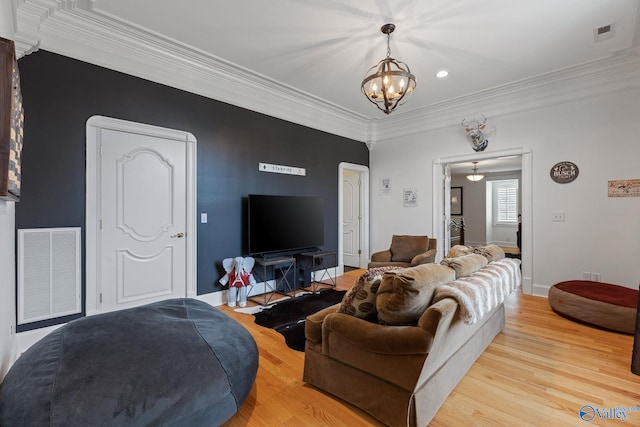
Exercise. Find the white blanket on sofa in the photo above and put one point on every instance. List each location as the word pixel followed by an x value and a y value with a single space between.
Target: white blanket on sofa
pixel 483 290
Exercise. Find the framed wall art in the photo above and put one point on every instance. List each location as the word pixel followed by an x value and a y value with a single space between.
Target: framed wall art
pixel 11 123
pixel 456 201
pixel 385 186
pixel 410 197
pixel 624 188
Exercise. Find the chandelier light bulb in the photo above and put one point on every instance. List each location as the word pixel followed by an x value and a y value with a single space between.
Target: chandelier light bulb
pixel 382 75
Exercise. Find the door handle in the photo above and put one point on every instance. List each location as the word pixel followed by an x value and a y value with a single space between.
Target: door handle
pixel 179 236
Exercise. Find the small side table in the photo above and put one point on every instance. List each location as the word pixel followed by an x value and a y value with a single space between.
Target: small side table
pixel 277 264
pixel 314 262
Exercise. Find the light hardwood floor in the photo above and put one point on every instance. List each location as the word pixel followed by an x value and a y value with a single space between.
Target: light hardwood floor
pixel 538 372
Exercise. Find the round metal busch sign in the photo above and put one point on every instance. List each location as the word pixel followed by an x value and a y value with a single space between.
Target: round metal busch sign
pixel 564 172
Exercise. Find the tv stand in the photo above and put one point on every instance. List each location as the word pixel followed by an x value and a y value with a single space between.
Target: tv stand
pixel 285 253
pixel 316 262
pixel 275 264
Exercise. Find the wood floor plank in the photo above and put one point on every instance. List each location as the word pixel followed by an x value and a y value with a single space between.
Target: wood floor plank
pixel 539 371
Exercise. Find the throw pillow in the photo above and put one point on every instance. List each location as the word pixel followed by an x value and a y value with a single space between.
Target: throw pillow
pixel 360 300
pixel 459 250
pixel 403 248
pixel 490 252
pixel 405 294
pixel 465 265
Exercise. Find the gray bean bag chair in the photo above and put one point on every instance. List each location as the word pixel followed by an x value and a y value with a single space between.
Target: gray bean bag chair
pixel 178 362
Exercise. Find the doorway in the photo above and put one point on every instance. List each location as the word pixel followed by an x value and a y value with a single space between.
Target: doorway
pixel 353 216
pixel 140 214
pixel 485 206
pixel 442 217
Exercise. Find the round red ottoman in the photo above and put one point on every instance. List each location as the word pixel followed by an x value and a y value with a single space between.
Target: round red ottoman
pixel 604 305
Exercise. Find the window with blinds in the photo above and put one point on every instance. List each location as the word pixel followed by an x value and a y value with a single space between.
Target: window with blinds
pixel 505 194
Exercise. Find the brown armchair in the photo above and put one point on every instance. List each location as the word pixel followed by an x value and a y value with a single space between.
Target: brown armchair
pixel 406 251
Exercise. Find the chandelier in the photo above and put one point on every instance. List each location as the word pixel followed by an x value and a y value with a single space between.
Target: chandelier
pixel 389 81
pixel 475 176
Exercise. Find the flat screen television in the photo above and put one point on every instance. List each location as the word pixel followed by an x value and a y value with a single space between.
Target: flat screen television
pixel 284 223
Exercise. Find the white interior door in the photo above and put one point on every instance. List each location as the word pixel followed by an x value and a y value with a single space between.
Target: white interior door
pixel 351 219
pixel 447 210
pixel 142 211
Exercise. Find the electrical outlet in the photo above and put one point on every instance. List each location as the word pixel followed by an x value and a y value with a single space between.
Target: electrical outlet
pixel 586 275
pixel 557 216
pixel 596 277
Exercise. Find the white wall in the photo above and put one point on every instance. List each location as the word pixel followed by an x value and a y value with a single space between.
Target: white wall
pixel 7 284
pixel 599 134
pixel 7 241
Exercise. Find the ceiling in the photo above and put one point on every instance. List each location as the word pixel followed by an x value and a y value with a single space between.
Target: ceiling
pixel 321 49
pixel 324 47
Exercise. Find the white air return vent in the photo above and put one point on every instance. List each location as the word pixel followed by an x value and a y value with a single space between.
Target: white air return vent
pixel 48 273
pixel 604 32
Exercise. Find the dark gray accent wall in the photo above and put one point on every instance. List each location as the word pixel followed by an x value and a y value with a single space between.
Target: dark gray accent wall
pixel 60 94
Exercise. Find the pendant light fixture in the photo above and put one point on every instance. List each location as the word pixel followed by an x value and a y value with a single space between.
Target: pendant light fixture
pixel 475 176
pixel 388 83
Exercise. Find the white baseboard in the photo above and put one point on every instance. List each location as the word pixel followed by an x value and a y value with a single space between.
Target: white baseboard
pixel 220 298
pixel 24 340
pixel 541 290
pixel 214 298
pixel 330 273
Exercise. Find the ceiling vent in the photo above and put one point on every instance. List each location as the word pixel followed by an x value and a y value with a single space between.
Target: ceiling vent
pixel 604 32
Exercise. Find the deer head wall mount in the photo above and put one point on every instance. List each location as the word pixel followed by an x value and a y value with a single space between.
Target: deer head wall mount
pixel 475 134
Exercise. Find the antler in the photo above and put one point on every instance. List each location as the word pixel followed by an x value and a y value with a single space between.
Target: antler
pixel 482 121
pixel 474 123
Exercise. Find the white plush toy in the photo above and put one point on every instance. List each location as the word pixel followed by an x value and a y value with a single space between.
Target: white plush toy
pixel 238 276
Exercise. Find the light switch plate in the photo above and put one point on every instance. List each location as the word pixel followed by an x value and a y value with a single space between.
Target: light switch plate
pixel 203 218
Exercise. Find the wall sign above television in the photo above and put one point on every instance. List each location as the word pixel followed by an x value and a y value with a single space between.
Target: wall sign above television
pixel 289 170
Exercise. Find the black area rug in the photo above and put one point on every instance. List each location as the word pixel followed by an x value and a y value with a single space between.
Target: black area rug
pixel 287 317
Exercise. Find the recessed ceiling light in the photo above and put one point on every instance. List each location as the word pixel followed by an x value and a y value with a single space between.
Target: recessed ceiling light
pixel 442 73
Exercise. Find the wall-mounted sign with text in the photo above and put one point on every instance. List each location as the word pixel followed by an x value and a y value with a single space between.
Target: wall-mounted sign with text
pixel 289 170
pixel 564 172
pixel 624 188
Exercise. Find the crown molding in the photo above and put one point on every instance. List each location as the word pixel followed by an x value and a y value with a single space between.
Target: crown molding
pixel 75 29
pixel 618 73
